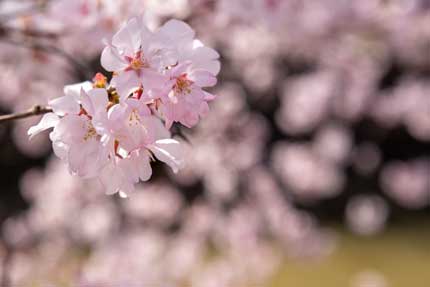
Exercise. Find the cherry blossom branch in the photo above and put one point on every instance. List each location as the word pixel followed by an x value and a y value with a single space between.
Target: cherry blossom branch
pixel 35 111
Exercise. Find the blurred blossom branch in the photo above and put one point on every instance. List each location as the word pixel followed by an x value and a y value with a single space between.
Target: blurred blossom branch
pixel 35 111
pixel 6 30
pixel 28 10
pixel 81 68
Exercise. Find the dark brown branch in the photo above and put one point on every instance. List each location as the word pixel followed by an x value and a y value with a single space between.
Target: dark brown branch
pixel 35 111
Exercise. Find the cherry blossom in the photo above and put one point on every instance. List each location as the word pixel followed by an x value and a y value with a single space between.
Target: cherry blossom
pixel 114 130
pixel 113 142
pixel 138 57
pixel 74 137
pixel 168 66
pixel 186 100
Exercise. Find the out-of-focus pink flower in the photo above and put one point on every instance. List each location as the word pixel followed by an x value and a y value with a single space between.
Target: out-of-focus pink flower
pixel 366 214
pixel 407 182
pixel 333 142
pixel 305 102
pixel 308 175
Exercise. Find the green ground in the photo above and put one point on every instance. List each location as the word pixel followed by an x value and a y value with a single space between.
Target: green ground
pixel 400 255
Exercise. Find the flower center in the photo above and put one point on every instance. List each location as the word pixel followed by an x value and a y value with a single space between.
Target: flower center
pixel 91 132
pixel 99 81
pixel 134 118
pixel 137 62
pixel 182 85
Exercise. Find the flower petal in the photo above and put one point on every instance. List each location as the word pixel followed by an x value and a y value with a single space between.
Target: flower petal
pixel 64 105
pixel 170 152
pixel 125 83
pixel 177 30
pixel 203 78
pixel 111 60
pixel 48 121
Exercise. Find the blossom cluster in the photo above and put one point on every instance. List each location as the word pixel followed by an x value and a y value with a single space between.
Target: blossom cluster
pixel 112 131
pixel 336 106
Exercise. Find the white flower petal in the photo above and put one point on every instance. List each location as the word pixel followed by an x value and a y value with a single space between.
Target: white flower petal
pixel 125 83
pixel 128 38
pixel 64 105
pixel 144 167
pixel 99 99
pixel 74 90
pixel 177 30
pixel 111 60
pixel 203 78
pixel 48 121
pixel 170 152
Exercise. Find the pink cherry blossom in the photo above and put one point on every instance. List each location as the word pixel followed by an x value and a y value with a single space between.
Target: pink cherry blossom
pixel 138 57
pixel 114 143
pixel 169 66
pixel 112 131
pixel 186 100
pixel 74 138
pixel 137 136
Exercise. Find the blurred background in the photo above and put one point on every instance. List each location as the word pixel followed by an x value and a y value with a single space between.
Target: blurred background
pixel 312 168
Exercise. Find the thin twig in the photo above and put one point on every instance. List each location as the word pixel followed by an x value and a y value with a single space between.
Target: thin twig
pixel 35 111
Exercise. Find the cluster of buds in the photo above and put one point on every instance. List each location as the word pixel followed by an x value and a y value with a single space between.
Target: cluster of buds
pixel 112 131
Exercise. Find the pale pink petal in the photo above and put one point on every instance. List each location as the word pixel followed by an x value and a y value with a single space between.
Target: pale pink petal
pixel 48 121
pixel 202 78
pixel 152 79
pixel 170 152
pixel 74 90
pixel 144 167
pixel 111 60
pixel 110 179
pixel 156 128
pixel 60 149
pixel 129 36
pixel 64 105
pixel 208 52
pixel 114 180
pixel 208 96
pixel 180 69
pixel 82 161
pixel 126 83
pixel 86 102
pixel 190 119
pixel 70 129
pixel 206 58
pixel 177 30
pixel 99 99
